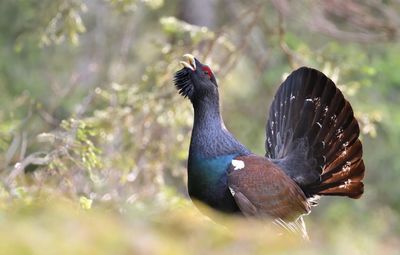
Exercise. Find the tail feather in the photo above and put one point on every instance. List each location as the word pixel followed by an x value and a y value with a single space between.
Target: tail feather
pixel 348 183
pixel 313 135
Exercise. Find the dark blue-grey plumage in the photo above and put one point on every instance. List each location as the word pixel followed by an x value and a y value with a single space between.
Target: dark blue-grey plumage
pixel 210 138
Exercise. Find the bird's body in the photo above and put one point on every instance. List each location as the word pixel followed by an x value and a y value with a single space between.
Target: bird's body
pixel 312 148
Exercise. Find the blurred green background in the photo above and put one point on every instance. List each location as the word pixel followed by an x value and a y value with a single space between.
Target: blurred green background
pixel 94 138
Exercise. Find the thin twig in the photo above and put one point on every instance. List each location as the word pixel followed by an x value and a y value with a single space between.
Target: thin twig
pixel 34 158
pixel 283 45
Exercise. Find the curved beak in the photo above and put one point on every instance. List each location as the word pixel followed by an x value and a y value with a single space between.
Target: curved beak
pixel 188 62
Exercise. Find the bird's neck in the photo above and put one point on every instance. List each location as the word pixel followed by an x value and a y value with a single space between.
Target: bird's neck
pixel 207 115
pixel 210 138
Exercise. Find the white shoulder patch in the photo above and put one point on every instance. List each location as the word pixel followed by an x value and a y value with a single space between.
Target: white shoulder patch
pixel 237 164
pixel 232 191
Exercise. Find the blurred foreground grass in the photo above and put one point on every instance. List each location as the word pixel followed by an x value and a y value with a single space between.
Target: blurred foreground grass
pixel 54 225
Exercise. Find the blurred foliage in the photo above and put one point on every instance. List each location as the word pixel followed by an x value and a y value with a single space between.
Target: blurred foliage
pixel 94 138
pixel 52 225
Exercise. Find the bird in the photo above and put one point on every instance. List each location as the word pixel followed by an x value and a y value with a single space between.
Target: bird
pixel 312 149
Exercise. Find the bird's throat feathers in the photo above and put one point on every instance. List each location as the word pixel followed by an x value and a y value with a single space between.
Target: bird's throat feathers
pixel 183 83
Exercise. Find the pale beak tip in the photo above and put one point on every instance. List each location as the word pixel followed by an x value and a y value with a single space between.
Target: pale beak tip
pixel 185 64
pixel 189 62
pixel 187 55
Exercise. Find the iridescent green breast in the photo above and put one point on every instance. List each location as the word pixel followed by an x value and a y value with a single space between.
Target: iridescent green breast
pixel 207 181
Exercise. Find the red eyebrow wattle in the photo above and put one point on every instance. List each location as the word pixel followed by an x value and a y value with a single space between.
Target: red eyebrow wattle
pixel 208 71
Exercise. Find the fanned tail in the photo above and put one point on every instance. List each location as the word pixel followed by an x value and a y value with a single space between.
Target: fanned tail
pixel 313 135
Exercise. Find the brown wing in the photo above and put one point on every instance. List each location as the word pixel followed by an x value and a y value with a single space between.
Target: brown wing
pixel 261 188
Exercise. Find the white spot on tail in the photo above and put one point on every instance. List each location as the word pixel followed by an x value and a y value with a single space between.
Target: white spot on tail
pixel 237 164
pixel 346 183
pixel 346 167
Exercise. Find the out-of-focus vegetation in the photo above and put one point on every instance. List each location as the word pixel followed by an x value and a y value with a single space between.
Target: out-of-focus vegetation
pixel 94 138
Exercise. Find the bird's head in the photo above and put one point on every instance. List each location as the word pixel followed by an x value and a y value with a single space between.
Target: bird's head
pixel 195 80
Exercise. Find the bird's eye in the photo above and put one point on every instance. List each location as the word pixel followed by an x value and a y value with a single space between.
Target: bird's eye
pixel 207 71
